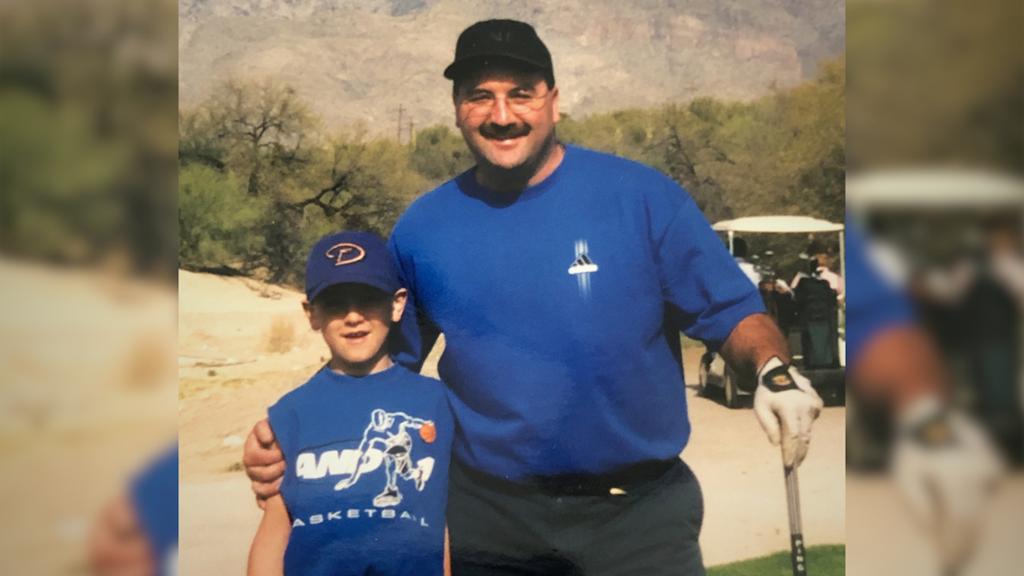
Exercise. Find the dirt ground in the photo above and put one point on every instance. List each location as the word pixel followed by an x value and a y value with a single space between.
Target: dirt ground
pixel 243 344
pixel 885 540
pixel 88 393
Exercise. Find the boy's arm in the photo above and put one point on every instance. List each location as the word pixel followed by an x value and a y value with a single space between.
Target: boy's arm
pixel 266 556
pixel 117 543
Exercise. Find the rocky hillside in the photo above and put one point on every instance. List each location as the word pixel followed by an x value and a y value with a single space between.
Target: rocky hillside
pixel 359 60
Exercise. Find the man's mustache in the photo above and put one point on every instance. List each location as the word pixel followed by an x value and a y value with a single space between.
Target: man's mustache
pixel 498 132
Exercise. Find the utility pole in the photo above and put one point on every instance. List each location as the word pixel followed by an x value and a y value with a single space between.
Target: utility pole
pixel 400 110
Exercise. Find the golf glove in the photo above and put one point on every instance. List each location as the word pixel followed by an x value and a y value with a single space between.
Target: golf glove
pixel 786 405
pixel 946 469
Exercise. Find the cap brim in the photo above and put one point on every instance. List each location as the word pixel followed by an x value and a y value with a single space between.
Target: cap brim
pixel 459 68
pixel 375 283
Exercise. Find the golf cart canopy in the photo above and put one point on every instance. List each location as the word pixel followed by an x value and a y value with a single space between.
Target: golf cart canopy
pixel 927 188
pixel 777 225
pixel 783 225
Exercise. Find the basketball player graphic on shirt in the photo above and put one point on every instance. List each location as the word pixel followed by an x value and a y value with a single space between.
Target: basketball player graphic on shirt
pixel 388 432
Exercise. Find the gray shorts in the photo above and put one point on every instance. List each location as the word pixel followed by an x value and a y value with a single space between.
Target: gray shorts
pixel 498 528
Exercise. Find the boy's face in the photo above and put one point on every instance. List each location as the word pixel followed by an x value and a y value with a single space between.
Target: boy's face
pixel 355 320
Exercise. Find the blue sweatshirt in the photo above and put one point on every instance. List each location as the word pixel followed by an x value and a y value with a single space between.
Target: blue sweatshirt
pixel 561 308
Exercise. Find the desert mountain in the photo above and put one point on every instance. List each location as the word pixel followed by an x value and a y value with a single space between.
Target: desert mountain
pixel 359 60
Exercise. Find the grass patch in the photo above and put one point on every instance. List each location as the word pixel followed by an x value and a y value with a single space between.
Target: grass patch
pixel 281 337
pixel 828 560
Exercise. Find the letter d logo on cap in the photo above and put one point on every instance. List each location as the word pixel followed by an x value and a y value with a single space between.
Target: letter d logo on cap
pixel 345 253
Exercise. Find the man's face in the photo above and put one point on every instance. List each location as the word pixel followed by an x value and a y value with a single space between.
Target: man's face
pixel 506 117
pixel 355 321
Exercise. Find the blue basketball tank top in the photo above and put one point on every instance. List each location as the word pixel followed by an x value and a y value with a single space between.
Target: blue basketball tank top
pixel 367 473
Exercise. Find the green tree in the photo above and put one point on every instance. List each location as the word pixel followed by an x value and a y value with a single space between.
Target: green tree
pixel 218 222
pixel 352 183
pixel 439 154
pixel 781 154
pixel 56 181
pixel 200 140
pixel 261 131
pixel 88 154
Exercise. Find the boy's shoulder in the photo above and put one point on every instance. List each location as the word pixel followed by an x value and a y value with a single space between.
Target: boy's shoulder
pixel 408 377
pixel 299 395
pixel 312 391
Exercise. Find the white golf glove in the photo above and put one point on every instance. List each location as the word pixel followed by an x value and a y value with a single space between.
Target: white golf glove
pixel 947 470
pixel 786 405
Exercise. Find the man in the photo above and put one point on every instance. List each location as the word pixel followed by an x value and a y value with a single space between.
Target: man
pixel 560 278
pixel 739 252
pixel 821 259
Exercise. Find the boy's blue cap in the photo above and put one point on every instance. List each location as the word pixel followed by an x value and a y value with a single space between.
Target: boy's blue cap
pixel 350 258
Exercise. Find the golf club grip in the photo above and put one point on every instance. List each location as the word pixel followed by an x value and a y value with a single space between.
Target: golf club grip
pixel 796 554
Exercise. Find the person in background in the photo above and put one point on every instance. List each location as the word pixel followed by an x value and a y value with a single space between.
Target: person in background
pixel 821 260
pixel 740 254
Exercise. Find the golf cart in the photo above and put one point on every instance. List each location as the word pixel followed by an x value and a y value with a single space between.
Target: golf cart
pixel 812 327
pixel 930 231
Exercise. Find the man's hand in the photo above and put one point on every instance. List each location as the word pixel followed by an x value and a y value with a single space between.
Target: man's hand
pixel 786 405
pixel 946 469
pixel 117 545
pixel 264 462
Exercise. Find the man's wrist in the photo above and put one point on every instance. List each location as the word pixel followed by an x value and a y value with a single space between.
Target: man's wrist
pixel 775 375
pixel 925 420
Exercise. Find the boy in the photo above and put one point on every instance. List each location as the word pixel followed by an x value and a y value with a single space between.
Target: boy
pixel 366 442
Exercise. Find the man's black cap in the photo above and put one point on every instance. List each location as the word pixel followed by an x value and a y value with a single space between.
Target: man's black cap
pixel 496 40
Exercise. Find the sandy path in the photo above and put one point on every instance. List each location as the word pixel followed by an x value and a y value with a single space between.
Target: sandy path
pixel 887 542
pixel 88 380
pixel 744 491
pixel 229 376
